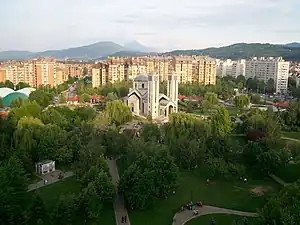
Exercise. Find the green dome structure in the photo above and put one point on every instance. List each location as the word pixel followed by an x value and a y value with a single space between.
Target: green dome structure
pixel 13 96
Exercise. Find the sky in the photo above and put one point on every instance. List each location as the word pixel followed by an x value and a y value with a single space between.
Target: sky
pixel 38 25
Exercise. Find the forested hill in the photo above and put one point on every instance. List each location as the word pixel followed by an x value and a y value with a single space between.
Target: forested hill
pixel 245 51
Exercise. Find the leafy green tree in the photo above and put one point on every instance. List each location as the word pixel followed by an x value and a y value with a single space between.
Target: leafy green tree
pixel 85 113
pixel 118 113
pixel 42 96
pixel 255 99
pixel 151 132
pixel 282 208
pixel 85 98
pixel 66 209
pixel 211 98
pixel 270 86
pixel 98 192
pixel 62 98
pixel 16 103
pixel 9 84
pixel 26 122
pixel 22 85
pixel 1 103
pixel 241 101
pixel 52 116
pixel 37 210
pixel 111 96
pixel 221 122
pixel 13 183
pixel 153 174
pixel 28 109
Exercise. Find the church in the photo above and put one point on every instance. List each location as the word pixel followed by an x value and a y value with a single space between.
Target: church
pixel 144 99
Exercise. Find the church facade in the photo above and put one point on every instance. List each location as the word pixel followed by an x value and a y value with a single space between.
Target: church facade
pixel 145 99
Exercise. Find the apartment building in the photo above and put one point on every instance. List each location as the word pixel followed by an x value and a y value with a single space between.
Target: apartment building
pixel 100 75
pixel 61 76
pixel 44 71
pixel 269 68
pixel 160 65
pixel 197 69
pixel 36 72
pixel 116 69
pixel 231 68
pixel 135 66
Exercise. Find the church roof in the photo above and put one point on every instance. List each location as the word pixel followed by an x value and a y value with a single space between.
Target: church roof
pixel 142 78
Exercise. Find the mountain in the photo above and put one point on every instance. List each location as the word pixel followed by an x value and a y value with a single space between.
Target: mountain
pixel 92 51
pixel 293 45
pixel 136 46
pixel 245 51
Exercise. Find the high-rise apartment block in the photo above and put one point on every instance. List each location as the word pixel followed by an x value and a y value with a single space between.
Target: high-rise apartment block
pixel 189 69
pixel 35 72
pixel 269 68
pixel 231 68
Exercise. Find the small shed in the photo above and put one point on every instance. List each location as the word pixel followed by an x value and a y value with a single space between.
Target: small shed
pixel 45 167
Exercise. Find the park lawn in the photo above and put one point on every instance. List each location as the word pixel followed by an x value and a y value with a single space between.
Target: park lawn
pixel 289 173
pixel 231 195
pixel 291 134
pixel 51 194
pixel 221 219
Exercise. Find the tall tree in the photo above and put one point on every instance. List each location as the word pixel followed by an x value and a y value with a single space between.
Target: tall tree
pixel 221 122
pixel 241 101
pixel 118 113
pixel 37 210
pixel 153 174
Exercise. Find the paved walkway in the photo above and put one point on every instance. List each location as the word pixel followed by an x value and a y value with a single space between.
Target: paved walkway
pixel 119 205
pixel 279 180
pixel 183 217
pixel 41 183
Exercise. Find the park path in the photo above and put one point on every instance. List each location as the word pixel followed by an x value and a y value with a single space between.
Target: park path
pixel 290 139
pixel 183 217
pixel 119 204
pixel 41 183
pixel 279 180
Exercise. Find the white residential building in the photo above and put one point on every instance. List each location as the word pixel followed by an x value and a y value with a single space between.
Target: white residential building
pixel 231 68
pixel 269 68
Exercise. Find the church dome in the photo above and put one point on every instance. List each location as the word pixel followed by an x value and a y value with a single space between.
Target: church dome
pixel 141 78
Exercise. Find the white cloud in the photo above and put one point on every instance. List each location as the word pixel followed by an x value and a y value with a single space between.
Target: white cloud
pixel 163 23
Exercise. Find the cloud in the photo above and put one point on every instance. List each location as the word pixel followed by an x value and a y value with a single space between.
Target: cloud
pixel 188 23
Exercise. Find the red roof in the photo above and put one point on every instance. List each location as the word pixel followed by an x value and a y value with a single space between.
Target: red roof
pixel 281 104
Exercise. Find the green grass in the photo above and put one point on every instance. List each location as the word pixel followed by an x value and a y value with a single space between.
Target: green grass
pixel 291 134
pixel 220 219
pixel 231 195
pixel 70 185
pixel 289 173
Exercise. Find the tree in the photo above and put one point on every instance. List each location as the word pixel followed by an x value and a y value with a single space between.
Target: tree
pixel 270 86
pixel 22 85
pixel 111 96
pixel 9 84
pixel 255 99
pixel 66 210
pixel 13 183
pixel 37 211
pixel 241 101
pixel 221 122
pixel 52 116
pixel 1 103
pixel 62 98
pixel 118 113
pixel 42 96
pixel 151 132
pixel 152 175
pixel 212 98
pixel 28 109
pixel 85 98
pixel 282 208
